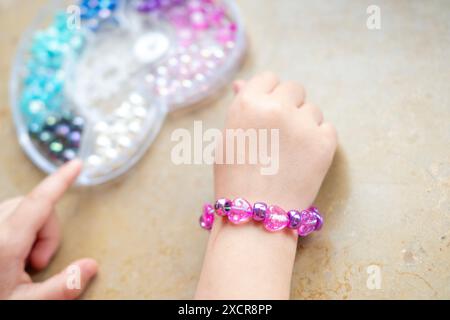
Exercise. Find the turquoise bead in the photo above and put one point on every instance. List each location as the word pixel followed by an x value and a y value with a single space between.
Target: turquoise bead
pixel 34 128
pixel 43 87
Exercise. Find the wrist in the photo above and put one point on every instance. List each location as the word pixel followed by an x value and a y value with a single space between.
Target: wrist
pixel 259 263
pixel 280 196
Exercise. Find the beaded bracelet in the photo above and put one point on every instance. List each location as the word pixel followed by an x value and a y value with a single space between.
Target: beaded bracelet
pixel 273 217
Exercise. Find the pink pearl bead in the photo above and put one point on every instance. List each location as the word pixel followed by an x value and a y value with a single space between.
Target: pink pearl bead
pixel 207 218
pixel 241 211
pixel 227 33
pixel 217 16
pixel 276 219
pixel 186 36
pixel 199 20
pixel 308 223
pixel 179 17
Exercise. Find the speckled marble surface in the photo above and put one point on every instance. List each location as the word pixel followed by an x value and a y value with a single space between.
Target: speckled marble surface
pixel 386 197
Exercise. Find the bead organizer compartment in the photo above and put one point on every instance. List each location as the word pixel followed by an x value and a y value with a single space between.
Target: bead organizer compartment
pixel 101 90
pixel 208 43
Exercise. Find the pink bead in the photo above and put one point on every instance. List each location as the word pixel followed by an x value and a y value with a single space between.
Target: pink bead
pixel 217 16
pixel 276 219
pixel 207 218
pixel 186 36
pixel 179 17
pixel 194 4
pixel 308 223
pixel 198 20
pixel 227 33
pixel 241 211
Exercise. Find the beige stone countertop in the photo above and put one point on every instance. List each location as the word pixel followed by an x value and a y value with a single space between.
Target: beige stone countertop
pixel 386 197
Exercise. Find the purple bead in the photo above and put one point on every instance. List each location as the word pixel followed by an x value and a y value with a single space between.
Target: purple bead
pixel 75 139
pixel 68 155
pixel 318 217
pixel 308 223
pixel 77 123
pixel 319 223
pixel 148 5
pixel 294 219
pixel 314 209
pixel 259 211
pixel 62 130
pixel 223 206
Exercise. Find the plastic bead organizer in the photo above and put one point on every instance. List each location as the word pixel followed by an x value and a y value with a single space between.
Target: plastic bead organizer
pixel 97 83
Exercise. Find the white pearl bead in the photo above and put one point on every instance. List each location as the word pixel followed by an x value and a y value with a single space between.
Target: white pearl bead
pixel 101 126
pixel 124 142
pixel 103 141
pixel 136 98
pixel 140 112
pixel 135 126
pixel 94 160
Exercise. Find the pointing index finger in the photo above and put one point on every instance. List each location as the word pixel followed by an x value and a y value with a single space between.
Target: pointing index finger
pixel 36 207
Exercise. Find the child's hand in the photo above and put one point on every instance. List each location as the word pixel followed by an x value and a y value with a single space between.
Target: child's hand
pixel 306 144
pixel 29 234
pixel 245 261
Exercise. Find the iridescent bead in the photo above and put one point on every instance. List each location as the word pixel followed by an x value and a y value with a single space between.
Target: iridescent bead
pixel 222 206
pixel 77 123
pixel 318 216
pixel 62 130
pixel 74 139
pixel 259 211
pixel 294 219
pixel 308 223
pixel 45 137
pixel 68 154
pixel 51 122
pixel 34 129
pixel 240 212
pixel 276 219
pixel 56 147
pixel 207 218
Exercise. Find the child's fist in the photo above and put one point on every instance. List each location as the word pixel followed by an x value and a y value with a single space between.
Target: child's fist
pixel 300 155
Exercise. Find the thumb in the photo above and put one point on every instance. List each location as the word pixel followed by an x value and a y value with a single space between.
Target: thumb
pixel 67 285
